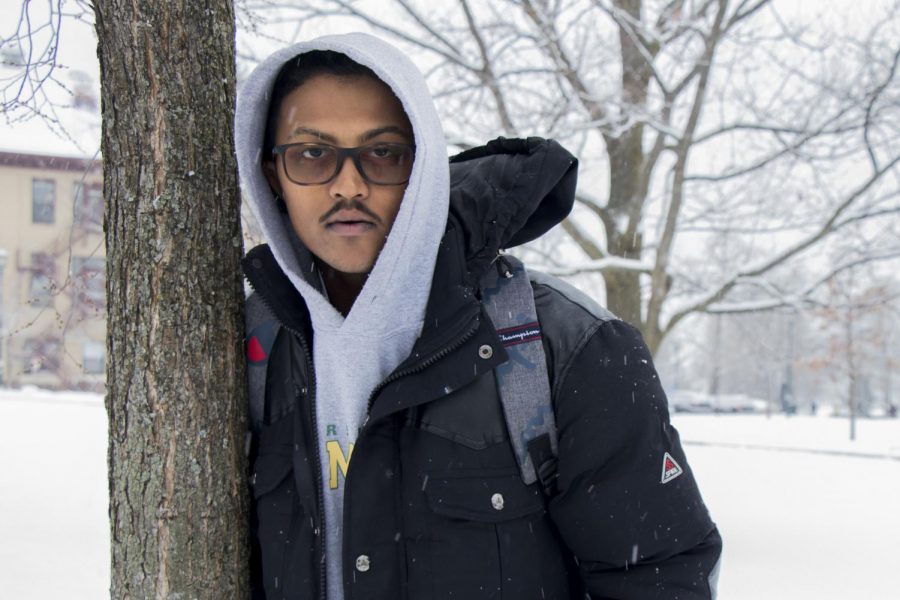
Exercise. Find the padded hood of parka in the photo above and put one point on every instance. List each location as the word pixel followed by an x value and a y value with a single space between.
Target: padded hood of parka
pixel 509 192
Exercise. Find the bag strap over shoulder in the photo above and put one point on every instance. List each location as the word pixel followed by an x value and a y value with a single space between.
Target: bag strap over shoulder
pixel 523 381
pixel 261 328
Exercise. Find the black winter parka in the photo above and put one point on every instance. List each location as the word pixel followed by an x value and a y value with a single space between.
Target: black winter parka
pixel 420 513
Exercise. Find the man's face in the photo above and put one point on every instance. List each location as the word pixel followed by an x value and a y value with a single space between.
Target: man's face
pixel 345 221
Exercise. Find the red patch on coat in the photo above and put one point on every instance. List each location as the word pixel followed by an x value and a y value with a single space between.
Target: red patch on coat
pixel 255 353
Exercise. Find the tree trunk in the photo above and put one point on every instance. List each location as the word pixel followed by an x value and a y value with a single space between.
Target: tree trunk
pixel 628 183
pixel 623 297
pixel 175 373
pixel 626 200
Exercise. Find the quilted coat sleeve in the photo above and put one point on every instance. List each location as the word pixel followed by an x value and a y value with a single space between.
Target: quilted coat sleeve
pixel 628 506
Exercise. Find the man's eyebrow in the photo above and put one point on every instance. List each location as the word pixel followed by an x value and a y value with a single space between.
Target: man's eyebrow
pixel 374 133
pixel 313 132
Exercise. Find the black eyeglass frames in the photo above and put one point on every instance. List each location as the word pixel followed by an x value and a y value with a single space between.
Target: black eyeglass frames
pixel 315 163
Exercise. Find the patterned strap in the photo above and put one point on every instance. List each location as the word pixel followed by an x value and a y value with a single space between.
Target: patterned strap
pixel 522 381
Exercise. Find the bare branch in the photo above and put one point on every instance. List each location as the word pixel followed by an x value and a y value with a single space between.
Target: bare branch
pixel 804 296
pixel 450 54
pixel 868 215
pixel 486 73
pixel 776 129
pixel 830 225
pixel 791 148
pixel 569 73
pixel 743 11
pixel 875 95
pixel 603 265
pixel 38 66
pixel 583 240
pixel 685 24
pixel 449 45
pixel 646 50
pixel 660 285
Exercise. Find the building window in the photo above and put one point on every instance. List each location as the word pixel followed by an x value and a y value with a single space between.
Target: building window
pixel 43 269
pixel 89 277
pixel 43 200
pixel 41 355
pixel 93 358
pixel 88 202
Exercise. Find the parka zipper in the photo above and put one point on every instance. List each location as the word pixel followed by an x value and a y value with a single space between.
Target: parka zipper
pixel 311 390
pixel 422 365
pixel 320 495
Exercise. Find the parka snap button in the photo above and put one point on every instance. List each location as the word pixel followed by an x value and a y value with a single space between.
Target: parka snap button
pixel 485 351
pixel 362 563
pixel 497 501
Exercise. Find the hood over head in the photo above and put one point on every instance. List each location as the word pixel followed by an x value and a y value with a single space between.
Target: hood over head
pixel 398 285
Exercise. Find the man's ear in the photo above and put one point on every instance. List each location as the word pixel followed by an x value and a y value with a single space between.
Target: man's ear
pixel 271 173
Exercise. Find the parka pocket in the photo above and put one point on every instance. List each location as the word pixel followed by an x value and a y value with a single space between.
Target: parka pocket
pixel 270 476
pixel 488 496
pixel 478 537
pixel 275 503
pixel 269 472
pixel 470 416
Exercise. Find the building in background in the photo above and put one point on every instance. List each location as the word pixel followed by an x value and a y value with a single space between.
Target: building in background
pixel 52 272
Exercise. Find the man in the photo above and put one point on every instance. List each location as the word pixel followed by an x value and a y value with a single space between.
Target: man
pixel 382 351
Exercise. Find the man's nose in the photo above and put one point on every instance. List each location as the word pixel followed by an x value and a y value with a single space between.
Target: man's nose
pixel 349 182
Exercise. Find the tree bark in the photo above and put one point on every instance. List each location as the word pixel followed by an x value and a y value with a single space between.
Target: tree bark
pixel 628 186
pixel 175 371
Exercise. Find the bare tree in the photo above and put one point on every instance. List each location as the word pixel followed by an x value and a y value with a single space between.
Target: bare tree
pixel 35 83
pixel 176 396
pixel 852 348
pixel 691 117
pixel 175 375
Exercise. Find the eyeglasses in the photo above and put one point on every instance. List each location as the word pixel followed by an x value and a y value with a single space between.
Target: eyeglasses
pixel 317 164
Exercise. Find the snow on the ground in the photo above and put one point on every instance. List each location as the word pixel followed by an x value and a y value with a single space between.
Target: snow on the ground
pixel 54 533
pixel 876 437
pixel 797 525
pixel 800 525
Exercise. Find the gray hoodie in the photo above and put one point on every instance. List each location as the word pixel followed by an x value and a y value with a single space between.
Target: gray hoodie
pixel 352 355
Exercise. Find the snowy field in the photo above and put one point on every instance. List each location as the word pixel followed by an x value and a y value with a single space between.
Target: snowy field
pixel 805 513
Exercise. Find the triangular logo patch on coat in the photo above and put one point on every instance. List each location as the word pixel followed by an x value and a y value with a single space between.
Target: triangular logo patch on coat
pixel 260 341
pixel 670 468
pixel 255 352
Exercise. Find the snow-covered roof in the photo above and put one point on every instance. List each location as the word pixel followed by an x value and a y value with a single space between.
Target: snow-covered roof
pixel 45 161
pixel 78 137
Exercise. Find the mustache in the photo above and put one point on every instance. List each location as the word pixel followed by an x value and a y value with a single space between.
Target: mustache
pixel 351 204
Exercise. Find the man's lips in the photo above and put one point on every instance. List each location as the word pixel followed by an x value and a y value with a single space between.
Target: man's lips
pixel 350 216
pixel 349 223
pixel 350 228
